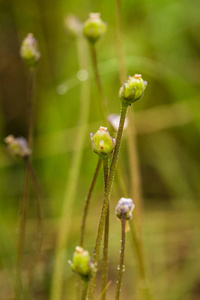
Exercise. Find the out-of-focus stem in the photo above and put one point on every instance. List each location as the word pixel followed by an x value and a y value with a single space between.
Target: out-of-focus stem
pixel 106 235
pixel 121 260
pixel 87 202
pixel 71 186
pixel 107 196
pixel 103 102
pixel 31 107
pixel 84 290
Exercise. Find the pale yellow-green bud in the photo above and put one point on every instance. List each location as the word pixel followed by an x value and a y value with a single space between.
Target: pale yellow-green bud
pixel 29 50
pixel 94 27
pixel 124 207
pixel 18 146
pixel 102 143
pixel 82 264
pixel 132 90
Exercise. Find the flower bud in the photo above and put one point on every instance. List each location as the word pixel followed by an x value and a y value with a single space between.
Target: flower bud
pixel 133 89
pixel 94 27
pixel 29 50
pixel 114 120
pixel 73 25
pixel 102 143
pixel 82 264
pixel 18 146
pixel 125 207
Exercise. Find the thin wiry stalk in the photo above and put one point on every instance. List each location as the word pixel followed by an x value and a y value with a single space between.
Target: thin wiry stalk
pixel 107 197
pixel 87 202
pixel 84 290
pixel 103 102
pixel 31 106
pixel 71 186
pixel 121 260
pixel 106 234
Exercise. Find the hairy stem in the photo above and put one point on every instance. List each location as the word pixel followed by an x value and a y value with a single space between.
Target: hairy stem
pixel 103 102
pixel 107 196
pixel 106 235
pixel 87 202
pixel 121 260
pixel 84 290
pixel 71 186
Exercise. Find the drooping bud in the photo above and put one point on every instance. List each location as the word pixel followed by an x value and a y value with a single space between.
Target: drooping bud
pixel 133 89
pixel 18 146
pixel 124 207
pixel 114 119
pixel 29 50
pixel 73 25
pixel 94 27
pixel 82 264
pixel 102 143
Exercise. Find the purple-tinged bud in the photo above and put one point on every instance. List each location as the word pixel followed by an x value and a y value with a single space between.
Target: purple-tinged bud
pixel 124 207
pixel 29 50
pixel 17 146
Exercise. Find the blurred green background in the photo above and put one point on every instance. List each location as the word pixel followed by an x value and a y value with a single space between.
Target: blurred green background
pixel 161 41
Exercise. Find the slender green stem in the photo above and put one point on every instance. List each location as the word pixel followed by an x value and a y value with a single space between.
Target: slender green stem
pixel 120 55
pixel 121 260
pixel 106 234
pixel 145 287
pixel 39 234
pixel 71 186
pixel 87 202
pixel 84 290
pixel 31 107
pixel 22 231
pixel 107 196
pixel 103 102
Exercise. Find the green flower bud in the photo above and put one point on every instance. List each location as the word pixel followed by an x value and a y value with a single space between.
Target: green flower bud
pixel 29 50
pixel 18 146
pixel 102 143
pixel 94 27
pixel 133 89
pixel 125 207
pixel 82 264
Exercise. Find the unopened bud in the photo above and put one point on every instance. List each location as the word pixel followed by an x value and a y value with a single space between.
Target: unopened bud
pixel 102 143
pixel 18 146
pixel 94 27
pixel 124 207
pixel 133 89
pixel 29 50
pixel 82 264
pixel 114 119
pixel 73 25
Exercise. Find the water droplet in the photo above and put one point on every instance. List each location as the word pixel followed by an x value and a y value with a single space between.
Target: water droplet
pixel 123 268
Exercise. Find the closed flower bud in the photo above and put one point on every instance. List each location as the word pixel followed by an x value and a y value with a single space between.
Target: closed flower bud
pixel 124 207
pixel 133 89
pixel 82 264
pixel 73 26
pixel 18 146
pixel 29 50
pixel 94 27
pixel 102 143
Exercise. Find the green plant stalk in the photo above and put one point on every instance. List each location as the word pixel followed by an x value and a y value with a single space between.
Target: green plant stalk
pixel 103 102
pixel 71 186
pixel 106 234
pixel 107 196
pixel 39 236
pixel 84 290
pixel 87 202
pixel 141 262
pixel 121 260
pixel 22 230
pixel 31 106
